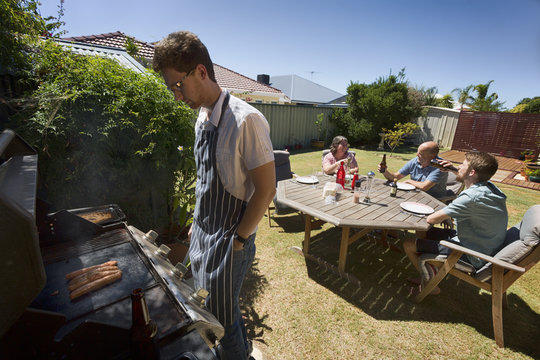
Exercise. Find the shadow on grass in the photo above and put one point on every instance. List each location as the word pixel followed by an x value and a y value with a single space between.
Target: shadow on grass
pixel 254 285
pixel 383 293
pixel 255 282
pixel 288 224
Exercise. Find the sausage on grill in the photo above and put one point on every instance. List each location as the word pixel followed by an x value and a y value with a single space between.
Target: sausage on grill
pixel 95 285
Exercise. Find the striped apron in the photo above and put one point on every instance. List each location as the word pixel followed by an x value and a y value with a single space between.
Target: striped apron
pixel 217 215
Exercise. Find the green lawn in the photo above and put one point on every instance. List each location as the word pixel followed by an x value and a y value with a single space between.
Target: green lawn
pixel 298 309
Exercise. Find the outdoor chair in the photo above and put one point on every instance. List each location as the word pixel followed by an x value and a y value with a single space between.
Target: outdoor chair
pixel 453 188
pixel 519 253
pixel 283 171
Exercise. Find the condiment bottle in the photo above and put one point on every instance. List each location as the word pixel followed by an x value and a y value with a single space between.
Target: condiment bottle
pixel 353 182
pixel 143 330
pixel 393 188
pixel 356 195
pixel 340 176
pixel 383 164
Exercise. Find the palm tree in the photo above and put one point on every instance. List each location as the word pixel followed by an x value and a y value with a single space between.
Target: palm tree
pixel 483 102
pixel 446 101
pixel 463 96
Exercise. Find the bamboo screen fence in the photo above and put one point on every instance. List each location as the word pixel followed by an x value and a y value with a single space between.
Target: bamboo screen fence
pixel 505 134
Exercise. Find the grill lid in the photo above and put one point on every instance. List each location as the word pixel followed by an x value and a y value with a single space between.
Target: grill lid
pixel 23 275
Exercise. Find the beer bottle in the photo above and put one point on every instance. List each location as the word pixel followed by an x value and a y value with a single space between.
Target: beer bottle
pixel 393 188
pixel 436 164
pixel 143 330
pixel 383 164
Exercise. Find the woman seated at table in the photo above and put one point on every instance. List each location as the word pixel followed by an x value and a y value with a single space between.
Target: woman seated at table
pixel 339 153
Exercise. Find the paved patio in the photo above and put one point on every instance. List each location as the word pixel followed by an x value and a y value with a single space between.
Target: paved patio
pixel 508 172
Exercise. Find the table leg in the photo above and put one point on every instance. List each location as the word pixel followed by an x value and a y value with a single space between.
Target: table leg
pixel 307 234
pixel 384 236
pixel 344 246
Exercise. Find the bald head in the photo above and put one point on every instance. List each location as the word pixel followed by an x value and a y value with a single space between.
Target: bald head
pixel 426 152
pixel 429 147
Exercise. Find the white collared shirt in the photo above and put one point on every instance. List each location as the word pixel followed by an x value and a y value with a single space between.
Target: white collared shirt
pixel 243 143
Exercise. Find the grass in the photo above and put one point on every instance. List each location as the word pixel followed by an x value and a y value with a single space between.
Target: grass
pixel 297 309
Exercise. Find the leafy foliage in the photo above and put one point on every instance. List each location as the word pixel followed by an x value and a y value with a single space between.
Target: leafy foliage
pixel 528 105
pixel 131 48
pixel 464 95
pixel 429 97
pixel 483 101
pixel 21 27
pixel 446 101
pixel 318 124
pixel 375 106
pixel 394 138
pixel 106 134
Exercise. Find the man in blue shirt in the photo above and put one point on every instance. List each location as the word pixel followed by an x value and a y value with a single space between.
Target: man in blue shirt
pixel 423 176
pixel 480 213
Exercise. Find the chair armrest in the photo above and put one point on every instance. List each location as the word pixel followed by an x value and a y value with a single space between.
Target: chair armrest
pixel 481 256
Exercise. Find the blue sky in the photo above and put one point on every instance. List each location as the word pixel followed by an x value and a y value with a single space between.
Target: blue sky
pixel 447 44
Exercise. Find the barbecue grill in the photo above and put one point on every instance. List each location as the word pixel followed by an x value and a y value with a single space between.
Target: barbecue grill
pixel 37 317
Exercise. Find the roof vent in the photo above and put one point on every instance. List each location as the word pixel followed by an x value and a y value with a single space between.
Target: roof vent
pixel 263 78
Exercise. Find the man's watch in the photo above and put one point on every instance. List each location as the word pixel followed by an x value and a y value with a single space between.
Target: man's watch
pixel 239 238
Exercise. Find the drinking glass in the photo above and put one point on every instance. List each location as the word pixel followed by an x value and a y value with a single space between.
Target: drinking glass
pixel 314 172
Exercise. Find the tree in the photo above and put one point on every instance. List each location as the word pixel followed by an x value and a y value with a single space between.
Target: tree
pixel 21 27
pixel 483 102
pixel 429 96
pixel 528 105
pixel 447 101
pixel 373 107
pixel 394 138
pixel 463 95
pixel 533 107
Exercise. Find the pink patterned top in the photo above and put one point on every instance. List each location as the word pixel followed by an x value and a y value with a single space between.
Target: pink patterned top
pixel 329 159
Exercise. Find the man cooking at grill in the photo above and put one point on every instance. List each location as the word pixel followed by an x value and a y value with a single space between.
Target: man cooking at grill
pixel 235 180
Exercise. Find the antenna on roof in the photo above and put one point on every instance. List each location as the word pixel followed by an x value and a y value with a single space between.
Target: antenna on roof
pixel 313 72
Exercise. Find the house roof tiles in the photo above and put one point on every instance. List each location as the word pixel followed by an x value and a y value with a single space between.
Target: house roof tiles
pixel 232 80
pixel 115 39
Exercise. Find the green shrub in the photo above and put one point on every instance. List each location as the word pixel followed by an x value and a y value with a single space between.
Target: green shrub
pixel 375 106
pixel 106 134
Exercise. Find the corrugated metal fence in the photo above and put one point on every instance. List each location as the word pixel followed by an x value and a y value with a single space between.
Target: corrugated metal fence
pixel 438 125
pixel 507 134
pixel 293 124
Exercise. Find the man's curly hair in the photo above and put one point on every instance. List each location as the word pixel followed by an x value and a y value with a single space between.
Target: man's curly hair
pixel 182 51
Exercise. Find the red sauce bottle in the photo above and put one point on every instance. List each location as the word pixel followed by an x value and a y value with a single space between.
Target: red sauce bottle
pixel 340 176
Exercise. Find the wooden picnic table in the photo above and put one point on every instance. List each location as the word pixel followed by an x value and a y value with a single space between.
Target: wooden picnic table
pixel 383 212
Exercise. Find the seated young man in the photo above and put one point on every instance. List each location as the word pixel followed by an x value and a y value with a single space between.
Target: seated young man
pixel 424 176
pixel 480 214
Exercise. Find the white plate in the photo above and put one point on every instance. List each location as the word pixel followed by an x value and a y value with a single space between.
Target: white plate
pixel 405 186
pixel 307 179
pixel 416 208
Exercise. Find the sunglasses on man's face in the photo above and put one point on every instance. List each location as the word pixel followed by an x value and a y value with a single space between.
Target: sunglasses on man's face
pixel 179 84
